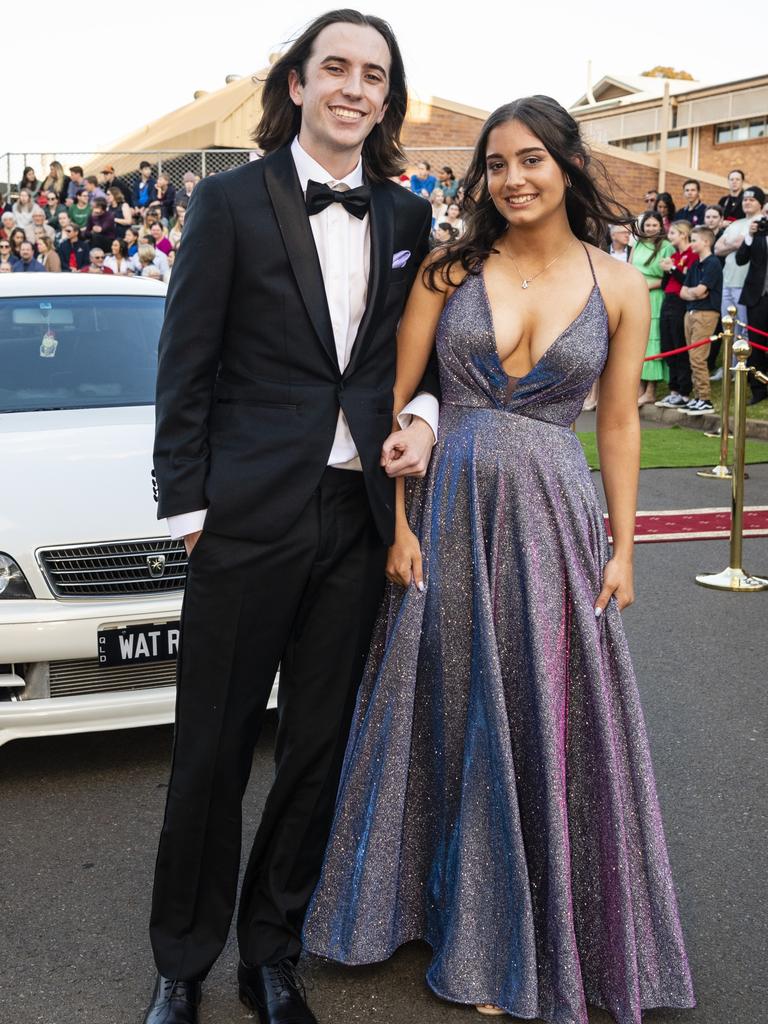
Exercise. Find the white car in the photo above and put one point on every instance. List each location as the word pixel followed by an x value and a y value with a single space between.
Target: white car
pixel 90 583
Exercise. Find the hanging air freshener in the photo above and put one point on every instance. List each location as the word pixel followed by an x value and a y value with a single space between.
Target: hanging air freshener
pixel 48 345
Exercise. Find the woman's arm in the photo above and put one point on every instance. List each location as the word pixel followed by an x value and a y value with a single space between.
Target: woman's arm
pixel 415 341
pixel 416 336
pixel 618 435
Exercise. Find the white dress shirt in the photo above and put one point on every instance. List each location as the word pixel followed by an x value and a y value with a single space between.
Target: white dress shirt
pixel 343 245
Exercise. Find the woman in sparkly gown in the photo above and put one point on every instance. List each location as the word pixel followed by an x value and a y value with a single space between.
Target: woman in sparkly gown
pixel 498 799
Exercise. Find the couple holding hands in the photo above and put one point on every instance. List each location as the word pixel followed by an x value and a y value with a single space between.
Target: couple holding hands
pixel 461 758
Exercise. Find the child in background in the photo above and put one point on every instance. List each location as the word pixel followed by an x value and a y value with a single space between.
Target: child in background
pixel 672 318
pixel 702 292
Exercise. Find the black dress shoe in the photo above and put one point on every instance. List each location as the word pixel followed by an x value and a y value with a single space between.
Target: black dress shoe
pixel 174 1002
pixel 275 992
pixel 757 397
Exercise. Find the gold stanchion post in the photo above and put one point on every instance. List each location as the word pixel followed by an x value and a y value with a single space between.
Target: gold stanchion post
pixel 734 578
pixel 721 471
pixel 729 329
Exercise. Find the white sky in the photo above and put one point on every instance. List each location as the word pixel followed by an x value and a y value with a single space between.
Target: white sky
pixel 108 68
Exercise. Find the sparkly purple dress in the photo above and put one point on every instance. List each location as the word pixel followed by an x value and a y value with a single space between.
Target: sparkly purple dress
pixel 498 798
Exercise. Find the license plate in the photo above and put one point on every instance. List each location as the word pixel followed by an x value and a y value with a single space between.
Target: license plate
pixel 135 645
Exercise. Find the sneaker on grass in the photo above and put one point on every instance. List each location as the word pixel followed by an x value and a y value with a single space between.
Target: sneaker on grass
pixel 703 405
pixel 679 402
pixel 667 400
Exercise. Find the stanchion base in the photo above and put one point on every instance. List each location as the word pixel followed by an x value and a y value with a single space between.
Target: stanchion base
pixel 716 473
pixel 716 433
pixel 732 579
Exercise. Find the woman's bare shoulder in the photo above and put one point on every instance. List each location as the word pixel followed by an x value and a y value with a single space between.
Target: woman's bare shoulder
pixel 448 276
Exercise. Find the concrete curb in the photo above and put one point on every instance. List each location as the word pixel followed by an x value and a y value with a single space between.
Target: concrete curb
pixel 757 429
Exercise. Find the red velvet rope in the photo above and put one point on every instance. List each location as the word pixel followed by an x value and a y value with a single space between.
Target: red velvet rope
pixel 755 330
pixel 676 351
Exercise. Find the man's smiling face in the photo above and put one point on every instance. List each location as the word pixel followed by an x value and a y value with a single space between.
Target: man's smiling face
pixel 344 92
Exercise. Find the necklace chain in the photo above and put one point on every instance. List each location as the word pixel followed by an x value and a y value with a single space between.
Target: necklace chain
pixel 525 281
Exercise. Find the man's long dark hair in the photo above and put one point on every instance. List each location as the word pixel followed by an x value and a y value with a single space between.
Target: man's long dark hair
pixel 281 118
pixel 589 201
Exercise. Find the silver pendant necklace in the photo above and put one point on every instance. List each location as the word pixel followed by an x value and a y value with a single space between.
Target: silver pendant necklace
pixel 525 281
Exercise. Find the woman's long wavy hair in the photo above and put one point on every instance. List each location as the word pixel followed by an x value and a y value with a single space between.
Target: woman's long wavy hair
pixel 589 201
pixel 280 122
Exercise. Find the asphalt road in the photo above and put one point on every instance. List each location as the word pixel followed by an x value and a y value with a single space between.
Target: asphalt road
pixel 79 819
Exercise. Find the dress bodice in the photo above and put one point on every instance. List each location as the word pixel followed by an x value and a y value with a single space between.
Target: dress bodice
pixel 471 373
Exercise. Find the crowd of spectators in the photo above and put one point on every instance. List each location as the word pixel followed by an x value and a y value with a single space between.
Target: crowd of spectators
pixel 698 259
pixel 99 224
pixel 445 193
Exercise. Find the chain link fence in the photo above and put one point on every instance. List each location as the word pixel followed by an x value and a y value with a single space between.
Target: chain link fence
pixel 175 163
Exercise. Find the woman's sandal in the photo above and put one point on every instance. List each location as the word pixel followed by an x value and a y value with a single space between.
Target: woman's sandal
pixel 489 1010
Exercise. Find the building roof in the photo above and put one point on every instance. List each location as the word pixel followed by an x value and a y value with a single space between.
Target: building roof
pixel 616 91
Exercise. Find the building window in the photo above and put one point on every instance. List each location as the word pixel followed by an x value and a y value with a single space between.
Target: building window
pixel 742 131
pixel 650 143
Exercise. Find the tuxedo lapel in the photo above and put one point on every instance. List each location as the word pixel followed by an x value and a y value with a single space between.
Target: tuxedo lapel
pixel 382 222
pixel 285 193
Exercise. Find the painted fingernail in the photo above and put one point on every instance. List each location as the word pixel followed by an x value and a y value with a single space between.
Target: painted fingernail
pixel 598 612
pixel 420 587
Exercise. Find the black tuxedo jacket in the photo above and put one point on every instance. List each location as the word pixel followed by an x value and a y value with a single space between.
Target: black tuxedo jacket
pixel 249 387
pixel 756 255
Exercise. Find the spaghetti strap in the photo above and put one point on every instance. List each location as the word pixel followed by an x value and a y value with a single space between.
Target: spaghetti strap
pixel 591 267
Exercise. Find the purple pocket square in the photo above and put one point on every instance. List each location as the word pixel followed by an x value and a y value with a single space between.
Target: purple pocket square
pixel 400 259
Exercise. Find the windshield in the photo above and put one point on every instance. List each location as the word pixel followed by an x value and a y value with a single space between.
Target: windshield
pixel 78 351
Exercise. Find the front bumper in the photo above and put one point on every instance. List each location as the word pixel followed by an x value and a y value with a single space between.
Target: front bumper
pixel 60 630
pixel 95 712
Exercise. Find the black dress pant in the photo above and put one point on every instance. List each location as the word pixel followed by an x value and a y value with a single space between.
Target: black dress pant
pixel 672 336
pixel 757 316
pixel 308 603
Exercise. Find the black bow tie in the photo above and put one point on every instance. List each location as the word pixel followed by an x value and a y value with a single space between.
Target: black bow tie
pixel 354 200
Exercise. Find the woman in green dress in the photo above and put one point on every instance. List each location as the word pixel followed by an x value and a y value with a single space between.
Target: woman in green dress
pixel 651 248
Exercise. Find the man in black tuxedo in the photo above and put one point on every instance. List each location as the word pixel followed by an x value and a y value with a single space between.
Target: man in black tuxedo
pixel 274 397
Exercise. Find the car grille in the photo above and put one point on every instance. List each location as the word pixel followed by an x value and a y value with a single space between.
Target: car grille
pixel 71 678
pixel 117 569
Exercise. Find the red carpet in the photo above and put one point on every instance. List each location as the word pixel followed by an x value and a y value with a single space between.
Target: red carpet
pixel 697 524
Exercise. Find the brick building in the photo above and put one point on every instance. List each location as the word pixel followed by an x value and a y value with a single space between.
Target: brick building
pixel 709 130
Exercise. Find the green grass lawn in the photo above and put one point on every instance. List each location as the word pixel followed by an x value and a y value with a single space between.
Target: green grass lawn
pixel 677 447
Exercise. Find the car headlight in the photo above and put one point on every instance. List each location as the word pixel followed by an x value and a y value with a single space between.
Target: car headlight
pixel 13 583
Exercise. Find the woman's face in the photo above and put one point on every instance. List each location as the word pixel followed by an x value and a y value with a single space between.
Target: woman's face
pixel 652 227
pixel 453 212
pixel 24 196
pixel 674 236
pixel 438 196
pixel 17 237
pixel 42 248
pixel 130 236
pixel 661 207
pixel 115 247
pixel 525 182
pixel 713 220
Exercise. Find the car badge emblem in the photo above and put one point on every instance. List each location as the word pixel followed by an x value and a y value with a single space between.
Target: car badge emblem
pixel 156 565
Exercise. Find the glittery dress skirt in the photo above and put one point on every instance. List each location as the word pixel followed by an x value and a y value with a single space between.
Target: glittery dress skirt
pixel 497 799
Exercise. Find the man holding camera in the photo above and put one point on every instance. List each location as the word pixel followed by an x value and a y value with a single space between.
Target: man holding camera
pixel 753 251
